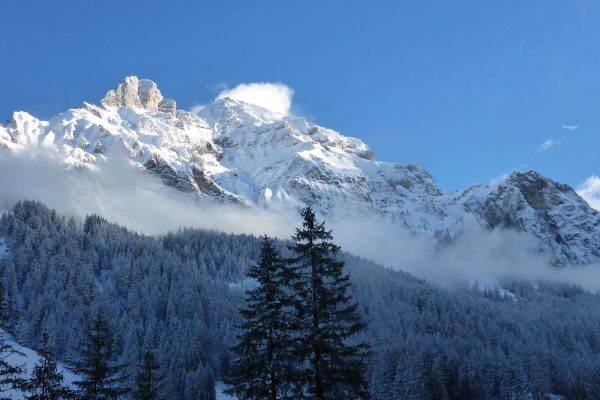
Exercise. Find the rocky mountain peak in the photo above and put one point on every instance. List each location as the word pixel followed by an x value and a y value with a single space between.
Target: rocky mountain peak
pixel 142 93
pixel 236 152
pixel 540 193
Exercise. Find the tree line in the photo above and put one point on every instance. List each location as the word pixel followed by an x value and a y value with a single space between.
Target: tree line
pixel 175 295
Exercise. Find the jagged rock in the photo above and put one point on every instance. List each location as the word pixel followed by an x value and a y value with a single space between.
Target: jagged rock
pixel 138 93
pixel 167 106
pixel 367 155
pixel 92 109
pixel 149 95
pixel 168 175
pixel 204 184
pixel 127 92
pixel 110 100
pixel 83 143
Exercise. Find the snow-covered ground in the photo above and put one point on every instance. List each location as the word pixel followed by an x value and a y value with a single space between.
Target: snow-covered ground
pixel 222 396
pixel 29 359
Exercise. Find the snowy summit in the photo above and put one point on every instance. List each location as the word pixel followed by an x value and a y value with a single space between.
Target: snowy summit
pixel 239 153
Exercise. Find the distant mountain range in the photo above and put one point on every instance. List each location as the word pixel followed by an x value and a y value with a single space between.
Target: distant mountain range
pixel 240 153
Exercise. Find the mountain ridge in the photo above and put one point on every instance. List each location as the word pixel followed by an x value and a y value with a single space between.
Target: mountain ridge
pixel 240 153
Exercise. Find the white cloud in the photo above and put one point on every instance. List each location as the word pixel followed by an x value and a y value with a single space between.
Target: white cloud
pixel 488 257
pixel 590 191
pixel 570 127
pixel 274 96
pixel 547 144
pixel 499 179
pixel 196 108
pixel 125 195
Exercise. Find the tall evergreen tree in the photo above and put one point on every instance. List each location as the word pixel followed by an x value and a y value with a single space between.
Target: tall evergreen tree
pixel 46 382
pixel 263 365
pixel 207 389
pixel 100 377
pixel 10 374
pixel 148 380
pixel 326 318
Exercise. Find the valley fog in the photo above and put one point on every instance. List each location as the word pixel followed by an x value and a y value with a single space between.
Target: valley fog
pixel 140 201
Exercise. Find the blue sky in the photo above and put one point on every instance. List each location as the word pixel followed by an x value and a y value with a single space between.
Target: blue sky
pixel 469 90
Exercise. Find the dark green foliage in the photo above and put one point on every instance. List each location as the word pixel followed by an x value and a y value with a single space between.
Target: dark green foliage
pixel 100 378
pixel 10 374
pixel 148 381
pixel 46 382
pixel 263 366
pixel 330 366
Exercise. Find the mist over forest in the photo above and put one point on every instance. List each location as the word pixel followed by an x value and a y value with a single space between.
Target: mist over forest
pixel 178 294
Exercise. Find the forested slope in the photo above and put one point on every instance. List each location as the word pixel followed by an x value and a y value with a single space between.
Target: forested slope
pixel 173 294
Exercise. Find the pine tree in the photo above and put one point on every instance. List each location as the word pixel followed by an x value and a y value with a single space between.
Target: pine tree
pixel 148 381
pixel 99 376
pixel 263 366
pixel 326 317
pixel 9 373
pixel 207 387
pixel 46 382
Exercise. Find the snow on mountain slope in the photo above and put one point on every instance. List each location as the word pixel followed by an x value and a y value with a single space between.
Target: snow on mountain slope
pixel 235 152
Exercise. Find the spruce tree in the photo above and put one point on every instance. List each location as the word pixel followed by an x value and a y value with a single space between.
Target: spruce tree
pixel 46 382
pixel 148 380
pixel 100 377
pixel 207 387
pixel 263 365
pixel 326 318
pixel 10 374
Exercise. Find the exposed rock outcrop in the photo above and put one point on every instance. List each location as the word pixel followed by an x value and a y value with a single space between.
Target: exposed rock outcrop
pixel 149 95
pixel 167 106
pixel 143 93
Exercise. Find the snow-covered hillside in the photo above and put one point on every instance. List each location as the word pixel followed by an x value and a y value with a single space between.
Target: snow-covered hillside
pixel 28 358
pixel 239 153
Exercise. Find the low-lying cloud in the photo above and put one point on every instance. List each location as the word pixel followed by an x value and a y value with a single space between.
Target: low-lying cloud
pixel 590 191
pixel 486 257
pixel 273 96
pixel 125 195
pixel 140 201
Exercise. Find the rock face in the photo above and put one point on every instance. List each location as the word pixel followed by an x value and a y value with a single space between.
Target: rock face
pixel 167 106
pixel 138 93
pixel 562 222
pixel 149 95
pixel 236 152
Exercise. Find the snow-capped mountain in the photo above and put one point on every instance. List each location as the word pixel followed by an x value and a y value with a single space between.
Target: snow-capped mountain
pixel 235 152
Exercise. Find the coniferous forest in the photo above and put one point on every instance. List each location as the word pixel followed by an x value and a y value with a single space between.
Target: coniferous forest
pixel 170 305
